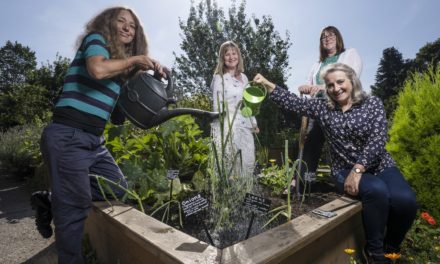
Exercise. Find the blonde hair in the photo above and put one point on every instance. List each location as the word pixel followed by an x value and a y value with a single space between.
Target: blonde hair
pixel 339 42
pixel 221 67
pixel 105 24
pixel 357 94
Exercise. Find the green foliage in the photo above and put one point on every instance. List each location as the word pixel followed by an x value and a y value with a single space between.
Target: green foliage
pixel 422 242
pixel 19 149
pixel 51 77
pixel 415 137
pixel 24 104
pixel 428 55
pixel 27 93
pixel 273 177
pixel 16 63
pixel 390 77
pixel 145 155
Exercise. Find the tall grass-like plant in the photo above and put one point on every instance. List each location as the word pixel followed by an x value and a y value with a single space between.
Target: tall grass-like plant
pixel 228 181
pixel 286 209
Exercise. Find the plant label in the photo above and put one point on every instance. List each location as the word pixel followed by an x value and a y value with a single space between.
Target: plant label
pixel 256 203
pixel 172 174
pixel 194 205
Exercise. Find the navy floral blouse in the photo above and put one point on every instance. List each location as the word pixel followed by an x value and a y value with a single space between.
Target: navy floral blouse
pixel 357 135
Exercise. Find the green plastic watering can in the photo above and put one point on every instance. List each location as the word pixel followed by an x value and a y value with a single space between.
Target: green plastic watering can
pixel 253 96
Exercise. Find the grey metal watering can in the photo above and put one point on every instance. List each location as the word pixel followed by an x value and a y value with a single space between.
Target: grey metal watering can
pixel 144 101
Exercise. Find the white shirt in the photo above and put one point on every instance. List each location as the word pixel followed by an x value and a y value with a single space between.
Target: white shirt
pixel 349 56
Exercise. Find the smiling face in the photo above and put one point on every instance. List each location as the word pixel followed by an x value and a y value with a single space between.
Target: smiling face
pixel 231 59
pixel 328 40
pixel 126 26
pixel 339 88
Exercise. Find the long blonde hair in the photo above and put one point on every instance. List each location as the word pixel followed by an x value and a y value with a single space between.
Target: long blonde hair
pixel 221 67
pixel 105 24
pixel 357 94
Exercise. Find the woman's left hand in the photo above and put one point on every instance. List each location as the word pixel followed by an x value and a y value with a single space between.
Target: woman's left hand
pixel 255 130
pixel 351 185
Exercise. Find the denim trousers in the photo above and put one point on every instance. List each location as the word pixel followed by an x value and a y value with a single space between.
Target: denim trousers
pixel 71 155
pixel 388 207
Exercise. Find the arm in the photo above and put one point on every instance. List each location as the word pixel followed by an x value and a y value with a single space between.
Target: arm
pixel 375 143
pixel 100 67
pixel 290 102
pixel 310 87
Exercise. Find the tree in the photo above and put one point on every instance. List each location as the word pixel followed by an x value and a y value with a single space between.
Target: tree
pixel 428 55
pixel 390 77
pixel 262 47
pixel 16 63
pixel 24 104
pixel 207 28
pixel 51 76
pixel 27 93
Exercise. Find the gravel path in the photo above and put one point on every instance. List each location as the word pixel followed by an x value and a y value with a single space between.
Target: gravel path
pixel 20 241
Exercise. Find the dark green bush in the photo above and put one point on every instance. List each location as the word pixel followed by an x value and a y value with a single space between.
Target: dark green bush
pixel 415 137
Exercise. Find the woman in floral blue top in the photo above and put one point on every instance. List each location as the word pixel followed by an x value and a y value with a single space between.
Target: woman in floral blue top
pixel 356 128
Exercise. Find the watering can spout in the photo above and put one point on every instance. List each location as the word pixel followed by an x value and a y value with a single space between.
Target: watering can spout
pixel 144 101
pixel 166 114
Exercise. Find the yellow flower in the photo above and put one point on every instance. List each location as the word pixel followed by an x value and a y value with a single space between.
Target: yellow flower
pixel 393 256
pixel 272 160
pixel 349 251
pixel 437 248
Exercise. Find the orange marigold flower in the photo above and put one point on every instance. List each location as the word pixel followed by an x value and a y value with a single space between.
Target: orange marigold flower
pixel 431 221
pixel 349 251
pixel 393 256
pixel 425 216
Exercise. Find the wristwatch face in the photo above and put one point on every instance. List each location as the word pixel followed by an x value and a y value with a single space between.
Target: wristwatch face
pixel 357 170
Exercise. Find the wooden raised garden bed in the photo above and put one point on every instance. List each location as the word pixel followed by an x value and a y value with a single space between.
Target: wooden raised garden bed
pixel 122 234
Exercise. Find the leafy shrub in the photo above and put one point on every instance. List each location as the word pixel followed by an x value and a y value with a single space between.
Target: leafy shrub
pixel 19 149
pixel 145 155
pixel 274 177
pixel 415 137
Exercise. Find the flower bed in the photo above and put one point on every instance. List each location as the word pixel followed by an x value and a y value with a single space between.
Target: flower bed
pixel 122 234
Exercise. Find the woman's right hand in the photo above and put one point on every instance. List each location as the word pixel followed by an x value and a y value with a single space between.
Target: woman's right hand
pixel 143 62
pixel 268 85
pixel 310 89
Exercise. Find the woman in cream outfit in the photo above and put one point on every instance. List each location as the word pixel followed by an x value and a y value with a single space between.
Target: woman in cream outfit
pixel 227 86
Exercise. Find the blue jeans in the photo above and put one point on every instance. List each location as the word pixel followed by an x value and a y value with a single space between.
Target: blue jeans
pixel 388 207
pixel 71 154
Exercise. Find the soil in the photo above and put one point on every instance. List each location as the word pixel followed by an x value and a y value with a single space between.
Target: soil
pixel 321 192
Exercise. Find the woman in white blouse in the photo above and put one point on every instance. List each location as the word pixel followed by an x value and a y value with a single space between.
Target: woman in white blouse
pixel 227 87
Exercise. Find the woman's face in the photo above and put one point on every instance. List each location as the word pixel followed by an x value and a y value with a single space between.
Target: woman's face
pixel 231 58
pixel 126 27
pixel 339 87
pixel 328 40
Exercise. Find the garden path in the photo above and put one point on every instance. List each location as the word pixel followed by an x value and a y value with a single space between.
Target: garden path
pixel 20 241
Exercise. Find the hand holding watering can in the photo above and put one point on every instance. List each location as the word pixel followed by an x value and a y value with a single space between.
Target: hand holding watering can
pixel 253 95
